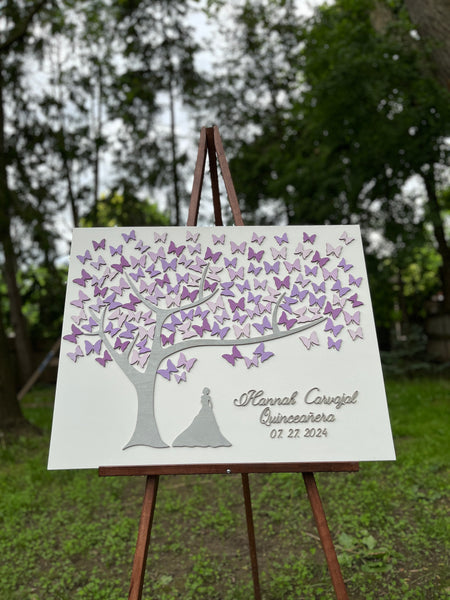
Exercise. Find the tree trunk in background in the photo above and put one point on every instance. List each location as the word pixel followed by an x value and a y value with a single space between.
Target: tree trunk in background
pixel 10 411
pixel 22 340
pixel 432 19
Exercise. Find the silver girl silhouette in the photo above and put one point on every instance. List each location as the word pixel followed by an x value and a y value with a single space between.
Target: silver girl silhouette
pixel 203 431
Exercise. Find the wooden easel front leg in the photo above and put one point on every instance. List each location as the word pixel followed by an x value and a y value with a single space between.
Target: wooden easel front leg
pixel 251 535
pixel 325 536
pixel 145 528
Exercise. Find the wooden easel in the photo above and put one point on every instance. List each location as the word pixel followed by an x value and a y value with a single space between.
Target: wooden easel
pixel 211 144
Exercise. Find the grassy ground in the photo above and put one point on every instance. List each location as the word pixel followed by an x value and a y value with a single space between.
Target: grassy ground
pixel 70 535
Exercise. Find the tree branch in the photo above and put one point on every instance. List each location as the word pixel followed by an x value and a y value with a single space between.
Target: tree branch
pixel 21 29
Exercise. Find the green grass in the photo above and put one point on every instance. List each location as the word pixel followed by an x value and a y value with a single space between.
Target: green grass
pixel 71 535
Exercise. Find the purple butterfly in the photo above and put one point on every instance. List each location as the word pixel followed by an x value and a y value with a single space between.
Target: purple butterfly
pixel 167 372
pixel 123 263
pixel 309 238
pixel 141 247
pixel 337 287
pixel 329 310
pixel 72 337
pixel 237 305
pixel 167 339
pixel 283 320
pixel 173 249
pixel 233 357
pixel 129 236
pixel 90 325
pixel 216 330
pixel 138 275
pixel 314 300
pixel 185 293
pixel 255 255
pixel 254 269
pixel 275 267
pixel 334 343
pixel 283 238
pixel 98 245
pixel 252 298
pixel 102 360
pixel 243 286
pixel 82 280
pixel 345 265
pixel 354 281
pixel 131 305
pixel 319 288
pixel 286 282
pixel 263 355
pixel 84 257
pixel 74 355
pixel 226 287
pixel 286 304
pixel 261 327
pixel 336 329
pixel 214 256
pixel 111 329
pixel 169 264
pixel 210 285
pixel 354 300
pixel 231 263
pixel 311 270
pixel 318 259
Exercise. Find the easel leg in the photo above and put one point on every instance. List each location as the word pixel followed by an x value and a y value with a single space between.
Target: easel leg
pixel 145 527
pixel 325 536
pixel 251 535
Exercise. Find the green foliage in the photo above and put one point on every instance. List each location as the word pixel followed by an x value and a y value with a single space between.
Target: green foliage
pixel 388 521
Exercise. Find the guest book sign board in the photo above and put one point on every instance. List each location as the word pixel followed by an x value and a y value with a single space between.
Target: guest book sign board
pixel 195 345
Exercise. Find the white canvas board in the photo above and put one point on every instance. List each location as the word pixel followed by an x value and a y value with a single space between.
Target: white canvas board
pixel 186 345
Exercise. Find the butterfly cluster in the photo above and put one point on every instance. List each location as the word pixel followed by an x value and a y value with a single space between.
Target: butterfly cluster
pixel 142 303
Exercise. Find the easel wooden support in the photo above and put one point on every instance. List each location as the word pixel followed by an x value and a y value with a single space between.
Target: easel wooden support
pixel 211 144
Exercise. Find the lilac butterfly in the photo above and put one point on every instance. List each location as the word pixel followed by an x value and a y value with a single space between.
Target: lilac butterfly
pixel 160 237
pixel 314 300
pixel 223 317
pixel 331 250
pixel 102 360
pixel 117 250
pixel 291 266
pixel 237 305
pixel 111 329
pixel 259 284
pixel 80 317
pixel 275 267
pixel 84 257
pixel 167 339
pixel 279 252
pixel 254 269
pixel 181 377
pixel 354 281
pixel 336 329
pixel 243 286
pixel 123 285
pixel 356 333
pixel 334 343
pixel 142 261
pixel 185 362
pixel 263 355
pixel 216 330
pixel 138 275
pixel 192 236
pixel 226 288
pixel 346 238
pixel 251 362
pixel 283 320
pixel 218 239
pixel 141 246
pixel 252 298
pixel 355 318
pixel 96 347
pixel 74 355
pixel 99 263
pixel 311 270
pixel 239 273
pixel 129 236
pixel 231 263
pixel 242 331
pixel 305 252
pixel 327 274
pixel 158 254
pixel 168 264
pixel 337 287
pixel 238 247
pixel 312 340
pixel 258 239
pixel 233 357
pixel 120 266
pixel 90 325
pixel 138 359
pixel 319 288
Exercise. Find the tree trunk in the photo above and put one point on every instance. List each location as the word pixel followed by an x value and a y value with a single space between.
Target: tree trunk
pixel 22 341
pixel 10 411
pixel 146 430
pixel 432 19
pixel 439 234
